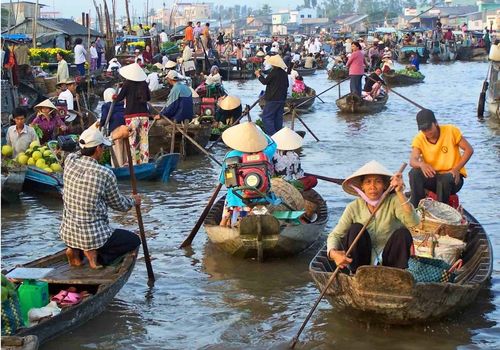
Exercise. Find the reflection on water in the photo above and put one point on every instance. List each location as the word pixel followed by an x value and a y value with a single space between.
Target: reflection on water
pixel 208 300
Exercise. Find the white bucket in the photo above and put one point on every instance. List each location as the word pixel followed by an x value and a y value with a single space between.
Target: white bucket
pixel 495 53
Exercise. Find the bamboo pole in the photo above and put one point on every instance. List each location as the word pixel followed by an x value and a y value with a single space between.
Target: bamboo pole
pixel 128 16
pixel 35 24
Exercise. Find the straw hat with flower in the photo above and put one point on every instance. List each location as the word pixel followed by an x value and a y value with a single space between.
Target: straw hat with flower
pixel 245 137
pixel 371 168
pixel 287 140
pixel 133 72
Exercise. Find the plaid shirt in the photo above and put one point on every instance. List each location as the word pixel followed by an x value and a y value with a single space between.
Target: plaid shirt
pixel 89 189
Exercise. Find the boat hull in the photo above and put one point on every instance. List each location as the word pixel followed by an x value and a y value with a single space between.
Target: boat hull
pixel 40 181
pixel 12 184
pixel 306 71
pixel 304 103
pixel 401 80
pixel 353 104
pixel 159 169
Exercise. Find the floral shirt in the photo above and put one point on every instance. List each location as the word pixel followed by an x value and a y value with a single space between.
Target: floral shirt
pixel 287 165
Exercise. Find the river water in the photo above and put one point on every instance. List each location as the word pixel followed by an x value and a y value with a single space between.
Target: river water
pixel 204 299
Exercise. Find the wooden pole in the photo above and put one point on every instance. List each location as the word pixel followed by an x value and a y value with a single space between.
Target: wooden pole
pixel 128 16
pixel 35 22
pixel 351 247
pixel 133 181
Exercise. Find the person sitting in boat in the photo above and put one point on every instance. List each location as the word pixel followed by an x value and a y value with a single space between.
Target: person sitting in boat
pixel 153 78
pixel 415 61
pixel 68 94
pixel 387 64
pixel 373 85
pixel 286 161
pixel 113 65
pixel 386 240
pixel 138 56
pixel 309 61
pixel 214 77
pixel 179 106
pixel 20 135
pixel 147 55
pixel 436 158
pixel 186 60
pixel 89 189
pixel 48 120
pixel 116 119
pixel 229 110
pixel 245 138
pixel 298 85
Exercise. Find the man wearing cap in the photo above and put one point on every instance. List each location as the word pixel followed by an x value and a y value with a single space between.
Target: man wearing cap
pixel 179 106
pixel 275 96
pixel 436 159
pixel 89 189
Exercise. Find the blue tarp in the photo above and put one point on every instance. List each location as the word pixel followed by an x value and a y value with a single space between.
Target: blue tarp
pixel 17 37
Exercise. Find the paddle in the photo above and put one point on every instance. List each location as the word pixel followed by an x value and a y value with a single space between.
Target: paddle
pixel 196 228
pixel 482 96
pixel 397 93
pixel 337 269
pixel 325 178
pixel 294 115
pixel 247 110
pixel 133 181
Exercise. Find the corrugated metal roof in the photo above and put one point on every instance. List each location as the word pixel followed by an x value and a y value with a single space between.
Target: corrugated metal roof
pixel 66 26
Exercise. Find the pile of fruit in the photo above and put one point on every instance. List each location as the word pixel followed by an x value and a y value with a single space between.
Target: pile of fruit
pixel 411 73
pixel 36 155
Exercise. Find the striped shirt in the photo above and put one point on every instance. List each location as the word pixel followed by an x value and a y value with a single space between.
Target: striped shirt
pixel 89 189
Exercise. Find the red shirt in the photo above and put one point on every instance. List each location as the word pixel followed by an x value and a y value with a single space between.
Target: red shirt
pixel 356 63
pixel 189 35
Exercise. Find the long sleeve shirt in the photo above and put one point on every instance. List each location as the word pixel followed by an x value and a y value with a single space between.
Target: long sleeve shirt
pixel 62 71
pixel 80 54
pixel 117 116
pixel 356 63
pixel 89 189
pixel 135 103
pixel 388 218
pixel 276 85
pixel 179 105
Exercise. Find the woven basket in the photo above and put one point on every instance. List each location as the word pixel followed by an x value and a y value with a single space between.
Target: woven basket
pixel 288 194
pixel 441 219
pixel 445 248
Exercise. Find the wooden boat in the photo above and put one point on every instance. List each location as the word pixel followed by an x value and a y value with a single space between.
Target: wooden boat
pixel 354 104
pixel 305 71
pixel 277 238
pixel 38 180
pixel 160 95
pixel 391 295
pixel 29 94
pixel 160 168
pixel 233 74
pixel 295 101
pixel 403 53
pixel 338 73
pixel 102 284
pixel 397 79
pixel 29 342
pixel 12 183
pixel 160 136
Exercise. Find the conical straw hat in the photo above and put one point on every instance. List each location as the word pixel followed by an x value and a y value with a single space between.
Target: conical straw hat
pixel 170 64
pixel 371 168
pixel 276 61
pixel 158 65
pixel 133 72
pixel 45 103
pixel 287 140
pixel 229 103
pixel 245 137
pixel 260 54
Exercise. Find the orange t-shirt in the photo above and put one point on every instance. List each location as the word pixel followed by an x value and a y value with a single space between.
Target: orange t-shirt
pixel 445 153
pixel 189 34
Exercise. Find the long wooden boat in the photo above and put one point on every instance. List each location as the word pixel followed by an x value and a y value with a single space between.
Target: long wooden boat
pixel 12 183
pixel 305 71
pixel 160 168
pixel 391 295
pixel 338 73
pixel 160 136
pixel 38 180
pixel 305 102
pixel 102 286
pixel 351 103
pixel 230 74
pixel 29 342
pixel 397 79
pixel 276 238
pixel 160 95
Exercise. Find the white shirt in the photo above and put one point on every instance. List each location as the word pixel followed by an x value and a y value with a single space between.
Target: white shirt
pixel 93 52
pixel 213 79
pixel 296 57
pixel 153 81
pixel 113 65
pixel 80 54
pixel 163 37
pixel 20 141
pixel 68 97
pixel 164 60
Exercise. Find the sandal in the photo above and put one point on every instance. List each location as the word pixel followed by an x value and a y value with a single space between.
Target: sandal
pixel 60 296
pixel 71 299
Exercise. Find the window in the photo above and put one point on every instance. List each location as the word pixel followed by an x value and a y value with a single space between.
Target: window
pixel 301 16
pixel 308 16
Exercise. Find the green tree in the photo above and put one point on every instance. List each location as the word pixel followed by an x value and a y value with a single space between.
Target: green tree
pixel 5 18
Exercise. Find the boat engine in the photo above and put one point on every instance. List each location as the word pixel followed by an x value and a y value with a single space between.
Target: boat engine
pixel 207 106
pixel 251 170
pixel 62 108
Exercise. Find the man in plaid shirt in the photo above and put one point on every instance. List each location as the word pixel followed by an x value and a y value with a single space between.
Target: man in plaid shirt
pixel 89 189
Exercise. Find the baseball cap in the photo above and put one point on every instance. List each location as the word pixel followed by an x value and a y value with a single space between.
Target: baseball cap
pixel 93 137
pixel 173 75
pixel 425 118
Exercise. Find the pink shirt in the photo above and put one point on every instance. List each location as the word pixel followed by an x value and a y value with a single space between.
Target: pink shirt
pixel 356 63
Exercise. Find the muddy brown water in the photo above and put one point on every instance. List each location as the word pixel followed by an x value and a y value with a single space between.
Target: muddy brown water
pixel 205 299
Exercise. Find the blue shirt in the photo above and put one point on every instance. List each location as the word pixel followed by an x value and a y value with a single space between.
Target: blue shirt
pixel 233 200
pixel 117 117
pixel 179 105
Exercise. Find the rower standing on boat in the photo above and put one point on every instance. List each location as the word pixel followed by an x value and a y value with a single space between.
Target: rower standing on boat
pixel 276 90
pixel 386 240
pixel 89 189
pixel 356 65
pixel 438 165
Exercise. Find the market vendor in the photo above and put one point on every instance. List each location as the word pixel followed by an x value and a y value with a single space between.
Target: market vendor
pixel 48 120
pixel 20 135
pixel 179 106
pixel 229 109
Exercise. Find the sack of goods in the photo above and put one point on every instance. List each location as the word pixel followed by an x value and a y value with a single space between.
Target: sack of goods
pixel 288 194
pixel 445 248
pixel 441 219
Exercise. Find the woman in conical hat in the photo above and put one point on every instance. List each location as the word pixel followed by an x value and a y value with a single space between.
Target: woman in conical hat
pixel 243 138
pixel 386 240
pixel 229 109
pixel 136 93
pixel 48 120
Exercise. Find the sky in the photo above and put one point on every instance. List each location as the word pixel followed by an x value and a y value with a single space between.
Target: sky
pixel 74 8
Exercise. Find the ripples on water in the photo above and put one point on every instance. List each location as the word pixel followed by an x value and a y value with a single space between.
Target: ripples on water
pixel 208 300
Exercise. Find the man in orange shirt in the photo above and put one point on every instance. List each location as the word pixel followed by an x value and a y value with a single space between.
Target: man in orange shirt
pixel 436 159
pixel 189 34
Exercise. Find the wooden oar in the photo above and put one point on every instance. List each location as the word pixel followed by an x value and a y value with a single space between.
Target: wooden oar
pixel 482 96
pixel 294 114
pixel 133 181
pixel 397 93
pixel 196 228
pixel 337 269
pixel 325 178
